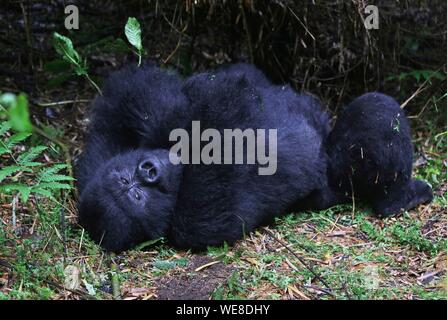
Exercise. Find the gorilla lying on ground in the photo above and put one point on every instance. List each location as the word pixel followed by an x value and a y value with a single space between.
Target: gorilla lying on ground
pixel 131 192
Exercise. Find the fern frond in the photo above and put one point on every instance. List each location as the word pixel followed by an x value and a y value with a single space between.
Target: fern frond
pixel 43 192
pixel 53 185
pixel 51 170
pixel 16 138
pixel 30 155
pixel 56 177
pixel 23 189
pixel 5 126
pixel 9 170
pixel 45 181
pixel 3 150
pixel 32 164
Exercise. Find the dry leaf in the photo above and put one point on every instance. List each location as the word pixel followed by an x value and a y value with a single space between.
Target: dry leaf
pixel 295 290
pixel 206 266
pixel 72 278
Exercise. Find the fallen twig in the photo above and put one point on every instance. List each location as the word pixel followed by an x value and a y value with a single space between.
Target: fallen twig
pixel 421 88
pixel 60 103
pixel 303 262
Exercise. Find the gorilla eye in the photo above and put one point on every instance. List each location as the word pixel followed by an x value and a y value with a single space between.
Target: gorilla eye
pixel 124 180
pixel 137 196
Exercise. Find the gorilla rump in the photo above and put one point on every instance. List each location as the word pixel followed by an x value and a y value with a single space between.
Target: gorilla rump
pixel 131 192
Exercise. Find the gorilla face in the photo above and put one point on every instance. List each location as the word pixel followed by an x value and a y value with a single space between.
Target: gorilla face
pixel 130 199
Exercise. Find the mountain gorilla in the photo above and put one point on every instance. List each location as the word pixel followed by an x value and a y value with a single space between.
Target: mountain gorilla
pixel 131 192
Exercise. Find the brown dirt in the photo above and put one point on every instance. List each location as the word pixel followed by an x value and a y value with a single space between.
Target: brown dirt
pixel 191 284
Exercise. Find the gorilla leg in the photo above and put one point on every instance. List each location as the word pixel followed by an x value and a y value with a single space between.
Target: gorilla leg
pixel 371 154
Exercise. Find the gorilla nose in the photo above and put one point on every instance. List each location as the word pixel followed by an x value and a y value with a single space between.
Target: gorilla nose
pixel 149 171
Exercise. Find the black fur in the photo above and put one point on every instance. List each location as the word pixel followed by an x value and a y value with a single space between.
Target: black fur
pixel 371 155
pixel 130 122
pixel 119 211
pixel 201 205
pixel 220 203
pixel 139 108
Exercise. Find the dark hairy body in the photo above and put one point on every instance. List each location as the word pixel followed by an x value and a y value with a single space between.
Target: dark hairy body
pixel 131 192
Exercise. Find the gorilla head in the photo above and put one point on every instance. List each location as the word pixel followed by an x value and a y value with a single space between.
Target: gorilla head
pixel 130 199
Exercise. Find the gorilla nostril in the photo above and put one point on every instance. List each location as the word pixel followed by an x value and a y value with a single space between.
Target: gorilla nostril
pixel 152 172
pixel 148 171
pixel 146 165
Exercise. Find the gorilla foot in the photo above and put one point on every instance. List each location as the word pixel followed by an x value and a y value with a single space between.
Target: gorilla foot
pixel 403 198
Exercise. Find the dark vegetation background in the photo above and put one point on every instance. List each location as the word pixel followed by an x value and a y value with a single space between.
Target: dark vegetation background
pixel 318 46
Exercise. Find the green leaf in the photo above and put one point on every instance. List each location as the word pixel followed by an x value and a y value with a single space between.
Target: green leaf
pixel 439 76
pixel 51 170
pixel 24 192
pixel 56 177
pixel 30 155
pixel 426 74
pixel 32 164
pixel 403 76
pixel 4 150
pixel 417 75
pixel 7 171
pixel 81 69
pixel 5 126
pixel 19 115
pixel 64 47
pixel 54 185
pixel 23 189
pixel 8 100
pixel 43 192
pixel 15 138
pixel 133 33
